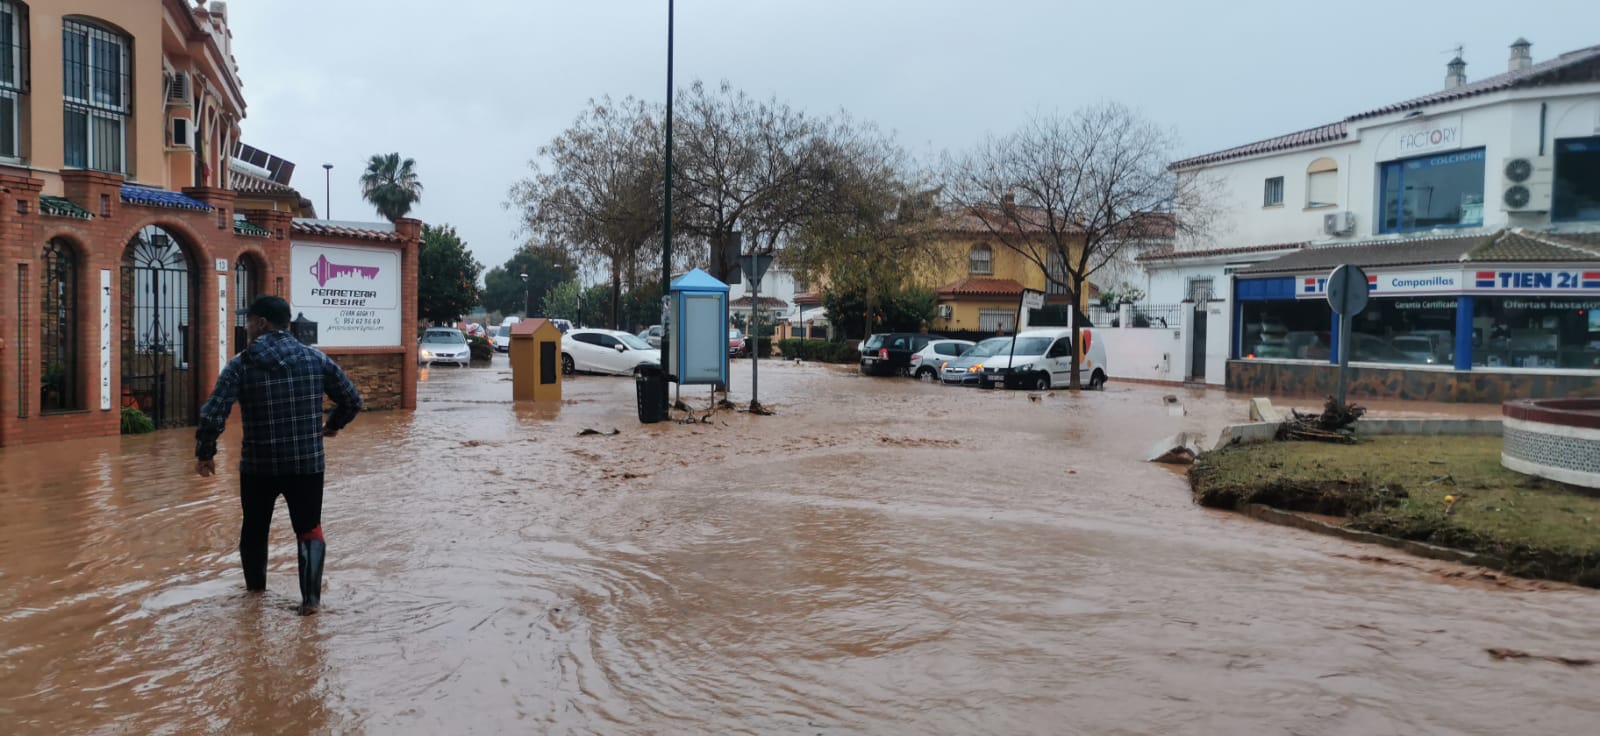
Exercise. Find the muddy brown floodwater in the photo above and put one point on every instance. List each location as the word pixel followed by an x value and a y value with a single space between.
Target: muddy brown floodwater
pixel 881 557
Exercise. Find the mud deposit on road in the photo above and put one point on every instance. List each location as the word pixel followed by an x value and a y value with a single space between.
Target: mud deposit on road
pixel 879 557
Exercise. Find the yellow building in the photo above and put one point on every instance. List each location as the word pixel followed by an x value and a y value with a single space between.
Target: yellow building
pixel 979 279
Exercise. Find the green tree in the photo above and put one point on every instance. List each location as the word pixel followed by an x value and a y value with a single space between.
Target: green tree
pixel 390 185
pixel 546 266
pixel 447 275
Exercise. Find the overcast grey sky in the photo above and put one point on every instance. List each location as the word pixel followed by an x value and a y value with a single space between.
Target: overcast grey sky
pixel 471 88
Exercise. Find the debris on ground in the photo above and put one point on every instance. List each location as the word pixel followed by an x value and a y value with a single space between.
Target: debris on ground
pixel 757 409
pixel 1179 449
pixel 1262 410
pixel 588 432
pixel 1332 425
pixel 1503 654
pixel 1174 406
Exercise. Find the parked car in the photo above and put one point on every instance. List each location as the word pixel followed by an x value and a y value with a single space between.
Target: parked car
pixel 605 351
pixel 502 338
pixel 1416 349
pixel 444 345
pixel 968 369
pixel 738 346
pixel 889 354
pixel 653 335
pixel 933 357
pixel 1042 359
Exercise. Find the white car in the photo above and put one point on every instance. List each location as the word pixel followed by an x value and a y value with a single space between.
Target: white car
pixel 1042 359
pixel 444 345
pixel 502 338
pixel 605 351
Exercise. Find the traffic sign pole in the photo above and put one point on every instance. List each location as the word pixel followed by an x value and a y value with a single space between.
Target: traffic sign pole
pixel 1347 295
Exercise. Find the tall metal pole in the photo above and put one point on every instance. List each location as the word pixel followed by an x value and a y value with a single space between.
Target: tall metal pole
pixel 666 212
pixel 755 341
pixel 327 190
pixel 1345 323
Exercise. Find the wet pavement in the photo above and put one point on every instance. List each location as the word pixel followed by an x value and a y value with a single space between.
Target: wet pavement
pixel 881 556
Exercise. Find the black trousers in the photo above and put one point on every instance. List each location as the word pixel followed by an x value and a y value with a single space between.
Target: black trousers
pixel 258 494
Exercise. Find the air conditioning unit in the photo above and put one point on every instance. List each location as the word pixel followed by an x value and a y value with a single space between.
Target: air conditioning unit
pixel 1339 223
pixel 946 312
pixel 182 133
pixel 178 87
pixel 1527 184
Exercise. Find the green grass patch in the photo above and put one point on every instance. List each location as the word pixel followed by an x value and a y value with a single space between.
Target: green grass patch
pixel 1398 485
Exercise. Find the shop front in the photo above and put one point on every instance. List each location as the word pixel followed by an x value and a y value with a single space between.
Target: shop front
pixel 1456 319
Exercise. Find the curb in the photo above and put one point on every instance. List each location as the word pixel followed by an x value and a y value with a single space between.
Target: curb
pixel 1420 549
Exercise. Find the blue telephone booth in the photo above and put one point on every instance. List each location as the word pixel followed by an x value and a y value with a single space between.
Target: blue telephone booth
pixel 697 329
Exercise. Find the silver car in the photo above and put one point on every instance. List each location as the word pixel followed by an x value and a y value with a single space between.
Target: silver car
pixel 652 335
pixel 933 357
pixel 968 369
pixel 444 345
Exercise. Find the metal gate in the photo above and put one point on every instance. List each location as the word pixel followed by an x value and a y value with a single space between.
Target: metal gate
pixel 245 291
pixel 1197 370
pixel 158 334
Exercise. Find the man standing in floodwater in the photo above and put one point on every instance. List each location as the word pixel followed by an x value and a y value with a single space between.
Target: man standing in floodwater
pixel 279 384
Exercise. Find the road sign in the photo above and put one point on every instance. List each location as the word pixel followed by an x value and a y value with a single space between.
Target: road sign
pixel 754 267
pixel 1347 290
pixel 1032 299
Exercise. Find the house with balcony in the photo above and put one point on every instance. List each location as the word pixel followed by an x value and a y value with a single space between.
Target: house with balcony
pixel 138 226
pixel 1474 211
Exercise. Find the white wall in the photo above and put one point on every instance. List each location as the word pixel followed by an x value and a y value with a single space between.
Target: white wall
pixel 1145 353
pixel 1504 124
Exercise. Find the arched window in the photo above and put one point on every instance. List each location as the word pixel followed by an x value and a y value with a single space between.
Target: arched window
pixel 1322 183
pixel 980 260
pixel 13 75
pixel 95 72
pixel 58 330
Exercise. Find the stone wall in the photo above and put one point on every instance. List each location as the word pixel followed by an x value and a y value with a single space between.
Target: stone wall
pixel 379 377
pixel 1307 380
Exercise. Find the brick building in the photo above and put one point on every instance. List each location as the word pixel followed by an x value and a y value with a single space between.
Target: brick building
pixel 135 227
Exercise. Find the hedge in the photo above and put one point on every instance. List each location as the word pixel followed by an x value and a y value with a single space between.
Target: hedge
pixel 822 351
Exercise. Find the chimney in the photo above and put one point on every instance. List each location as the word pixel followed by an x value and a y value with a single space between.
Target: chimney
pixel 1521 55
pixel 1455 74
pixel 1008 200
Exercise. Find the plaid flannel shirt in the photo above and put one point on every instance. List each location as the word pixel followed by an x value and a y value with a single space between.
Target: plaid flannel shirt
pixel 279 384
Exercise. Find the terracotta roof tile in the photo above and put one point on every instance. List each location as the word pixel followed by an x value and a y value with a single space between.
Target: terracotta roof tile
pixel 808 299
pixel 1495 247
pixel 982 287
pixel 1308 137
pixel 766 302
pixel 332 230
pixel 1516 245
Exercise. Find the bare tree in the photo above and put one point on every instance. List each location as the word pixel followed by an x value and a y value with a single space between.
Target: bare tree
pixel 1069 193
pixel 599 193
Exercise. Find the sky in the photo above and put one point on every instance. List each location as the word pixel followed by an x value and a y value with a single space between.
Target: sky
pixel 472 88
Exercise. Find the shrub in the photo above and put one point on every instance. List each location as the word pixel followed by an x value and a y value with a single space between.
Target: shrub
pixel 819 350
pixel 135 421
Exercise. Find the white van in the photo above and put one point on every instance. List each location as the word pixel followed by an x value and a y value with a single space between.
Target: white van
pixel 1042 359
pixel 502 338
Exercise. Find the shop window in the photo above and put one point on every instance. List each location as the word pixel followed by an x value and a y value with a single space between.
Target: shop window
pixel 1416 331
pixel 980 260
pixel 1272 196
pixel 96 96
pixel 13 75
pixel 1536 332
pixel 58 332
pixel 1577 181
pixel 1286 330
pixel 1322 183
pixel 1443 190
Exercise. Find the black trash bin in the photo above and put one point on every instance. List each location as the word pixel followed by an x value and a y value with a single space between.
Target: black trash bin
pixel 650 383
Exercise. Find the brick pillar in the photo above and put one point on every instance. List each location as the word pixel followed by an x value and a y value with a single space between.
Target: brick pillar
pixel 411 231
pixel 221 199
pixel 97 192
pixel 18 233
pixel 276 247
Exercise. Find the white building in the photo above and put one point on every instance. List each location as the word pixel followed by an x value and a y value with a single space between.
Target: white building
pixel 777 292
pixel 1475 211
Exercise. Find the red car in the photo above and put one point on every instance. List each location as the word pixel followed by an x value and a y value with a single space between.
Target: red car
pixel 737 346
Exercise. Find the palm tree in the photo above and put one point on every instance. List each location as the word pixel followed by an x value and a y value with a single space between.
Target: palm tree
pixel 390 185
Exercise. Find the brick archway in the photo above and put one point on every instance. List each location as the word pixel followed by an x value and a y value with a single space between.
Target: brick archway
pixel 160 326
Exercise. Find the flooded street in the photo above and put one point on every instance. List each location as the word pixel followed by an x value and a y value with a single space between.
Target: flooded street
pixel 880 557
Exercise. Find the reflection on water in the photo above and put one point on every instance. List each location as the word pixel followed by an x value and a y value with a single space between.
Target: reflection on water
pixel 880 557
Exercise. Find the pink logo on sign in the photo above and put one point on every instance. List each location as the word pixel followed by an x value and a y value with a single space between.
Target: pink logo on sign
pixel 325 270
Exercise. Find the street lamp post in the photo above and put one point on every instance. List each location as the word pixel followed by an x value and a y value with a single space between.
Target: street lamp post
pixel 527 310
pixel 327 190
pixel 666 212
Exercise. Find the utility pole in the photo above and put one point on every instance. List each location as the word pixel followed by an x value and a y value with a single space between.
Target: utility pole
pixel 666 213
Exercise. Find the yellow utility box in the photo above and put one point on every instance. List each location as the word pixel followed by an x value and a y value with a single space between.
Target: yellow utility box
pixel 535 361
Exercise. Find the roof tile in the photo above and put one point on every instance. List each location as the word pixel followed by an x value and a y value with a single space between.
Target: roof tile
pixel 62 207
pixel 152 197
pixel 1171 255
pixel 327 229
pixel 982 287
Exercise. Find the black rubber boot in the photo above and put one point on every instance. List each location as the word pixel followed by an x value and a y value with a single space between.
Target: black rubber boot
pixel 312 553
pixel 254 562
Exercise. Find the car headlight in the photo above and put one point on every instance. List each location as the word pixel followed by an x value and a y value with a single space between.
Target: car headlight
pixel 426 354
pixel 1024 367
pixel 976 368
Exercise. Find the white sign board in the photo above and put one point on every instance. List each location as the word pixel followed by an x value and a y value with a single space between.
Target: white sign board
pixel 105 340
pixel 353 294
pixel 1032 299
pixel 224 325
pixel 1442 134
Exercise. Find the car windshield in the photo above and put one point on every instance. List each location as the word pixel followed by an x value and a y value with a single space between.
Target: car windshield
pixel 633 342
pixel 1033 345
pixel 734 334
pixel 988 347
pixel 447 337
pixel 503 331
